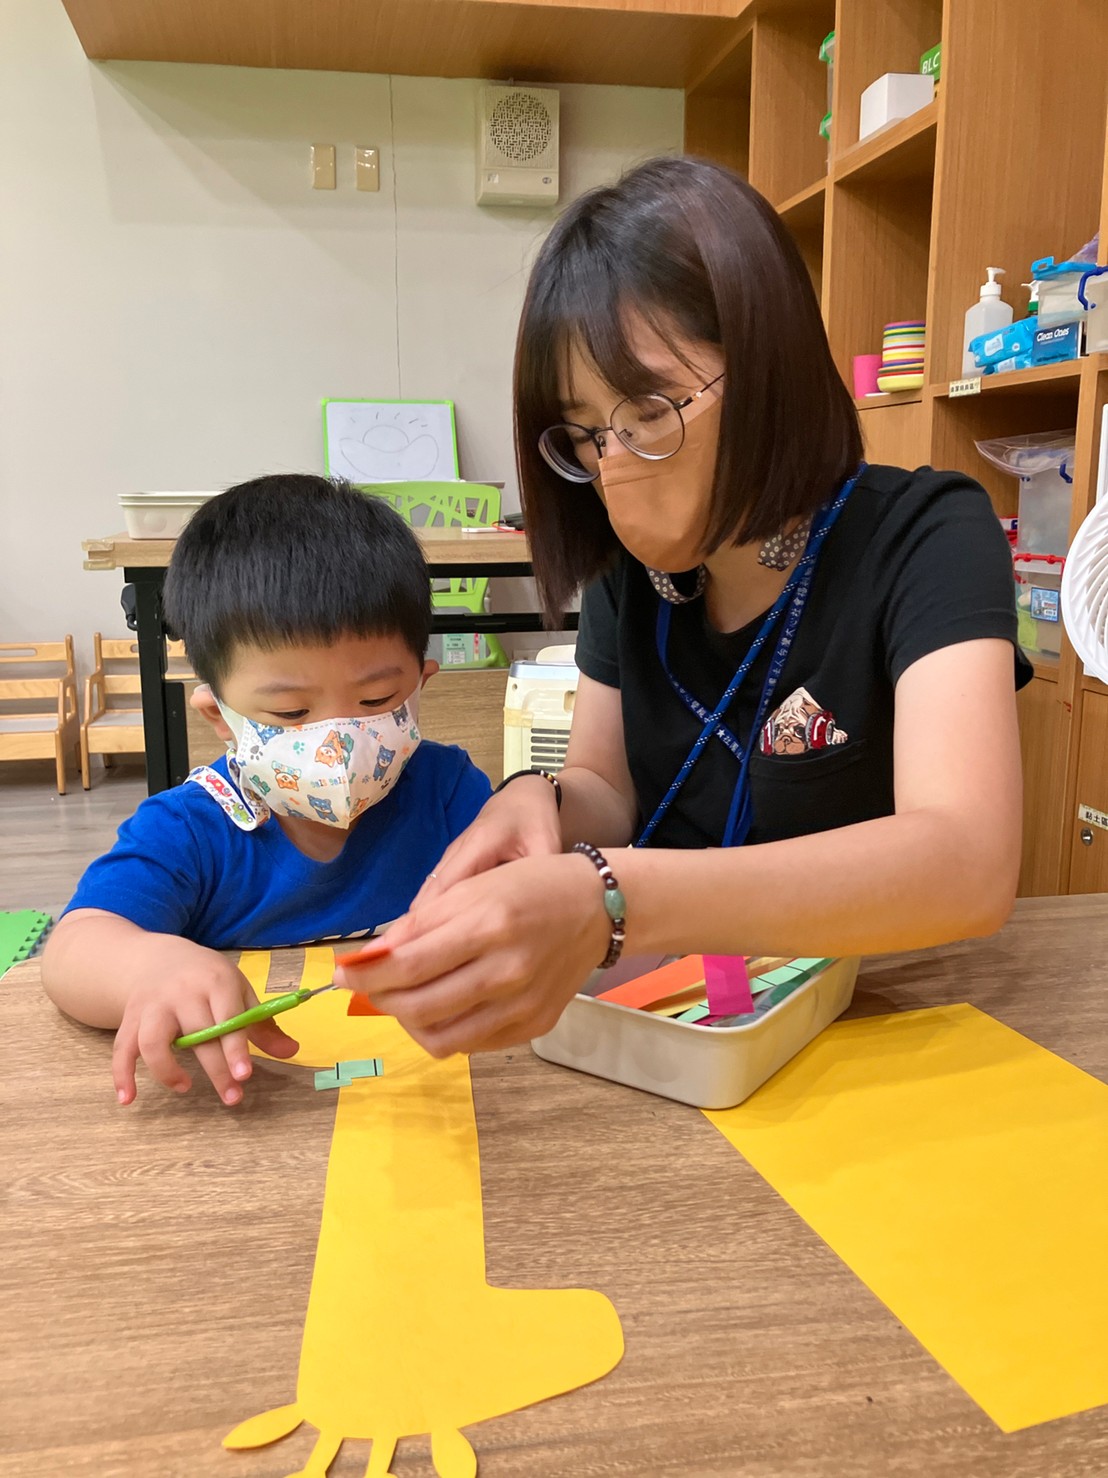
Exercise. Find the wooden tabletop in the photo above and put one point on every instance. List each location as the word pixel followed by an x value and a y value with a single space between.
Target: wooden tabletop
pixel 156 1260
pixel 441 546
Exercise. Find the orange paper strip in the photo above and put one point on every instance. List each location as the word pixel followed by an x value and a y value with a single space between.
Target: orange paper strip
pixel 658 984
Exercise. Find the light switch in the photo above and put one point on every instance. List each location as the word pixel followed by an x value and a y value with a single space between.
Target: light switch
pixel 323 166
pixel 367 169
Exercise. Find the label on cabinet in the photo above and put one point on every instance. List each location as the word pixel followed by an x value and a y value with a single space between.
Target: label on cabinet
pixel 1092 817
pixel 969 386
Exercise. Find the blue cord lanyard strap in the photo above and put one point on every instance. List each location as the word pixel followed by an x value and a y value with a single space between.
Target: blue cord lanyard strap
pixel 792 600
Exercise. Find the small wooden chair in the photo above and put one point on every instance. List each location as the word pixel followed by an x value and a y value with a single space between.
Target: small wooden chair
pixel 110 728
pixel 37 732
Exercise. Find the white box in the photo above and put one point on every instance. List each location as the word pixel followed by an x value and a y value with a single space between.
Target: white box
pixel 895 96
pixel 708 1067
pixel 160 515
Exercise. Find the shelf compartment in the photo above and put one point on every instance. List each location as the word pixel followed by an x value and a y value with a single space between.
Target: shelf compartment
pixel 789 97
pixel 804 209
pixel 804 214
pixel 872 39
pixel 879 244
pixel 1036 188
pixel 717 109
pixel 1016 410
pixel 903 152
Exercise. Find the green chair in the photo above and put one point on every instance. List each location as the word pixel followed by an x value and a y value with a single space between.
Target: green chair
pixel 443 505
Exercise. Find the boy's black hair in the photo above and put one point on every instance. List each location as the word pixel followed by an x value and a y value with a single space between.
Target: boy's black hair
pixel 294 558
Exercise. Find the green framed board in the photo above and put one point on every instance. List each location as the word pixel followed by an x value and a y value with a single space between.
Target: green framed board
pixel 369 441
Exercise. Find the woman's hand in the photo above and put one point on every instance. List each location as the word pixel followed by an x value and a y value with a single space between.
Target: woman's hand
pixel 185 987
pixel 521 821
pixel 492 961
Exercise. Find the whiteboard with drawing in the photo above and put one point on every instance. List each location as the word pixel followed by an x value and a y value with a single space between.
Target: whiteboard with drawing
pixel 390 440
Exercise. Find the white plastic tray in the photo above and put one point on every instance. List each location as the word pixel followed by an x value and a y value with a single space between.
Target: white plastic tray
pixel 160 515
pixel 706 1066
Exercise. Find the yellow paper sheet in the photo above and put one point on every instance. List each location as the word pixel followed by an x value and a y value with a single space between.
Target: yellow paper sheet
pixel 403 1335
pixel 961 1171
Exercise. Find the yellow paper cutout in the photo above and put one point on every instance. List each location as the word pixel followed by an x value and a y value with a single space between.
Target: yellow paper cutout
pixel 961 1171
pixel 403 1335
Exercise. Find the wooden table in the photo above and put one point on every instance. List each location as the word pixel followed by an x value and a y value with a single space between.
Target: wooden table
pixel 156 1261
pixel 450 553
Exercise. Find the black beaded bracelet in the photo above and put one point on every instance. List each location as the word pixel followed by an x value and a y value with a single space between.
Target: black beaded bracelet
pixel 615 905
pixel 542 774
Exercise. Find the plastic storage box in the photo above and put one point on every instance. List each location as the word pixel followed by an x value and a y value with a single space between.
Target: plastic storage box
pixel 1042 462
pixel 893 97
pixel 708 1067
pixel 1038 604
pixel 827 56
pixel 1095 293
pixel 160 515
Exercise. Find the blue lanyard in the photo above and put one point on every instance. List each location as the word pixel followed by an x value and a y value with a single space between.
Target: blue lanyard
pixel 792 599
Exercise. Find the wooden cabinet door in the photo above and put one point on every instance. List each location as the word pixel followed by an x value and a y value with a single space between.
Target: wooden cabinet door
pixel 1089 858
pixel 1041 749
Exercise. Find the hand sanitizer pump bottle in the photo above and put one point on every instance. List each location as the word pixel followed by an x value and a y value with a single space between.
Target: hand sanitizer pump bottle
pixel 987 315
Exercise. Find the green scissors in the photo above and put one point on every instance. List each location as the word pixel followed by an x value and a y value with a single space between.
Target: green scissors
pixel 376 949
pixel 262 1012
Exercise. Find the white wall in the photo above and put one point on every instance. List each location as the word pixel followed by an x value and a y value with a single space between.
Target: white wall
pixel 175 300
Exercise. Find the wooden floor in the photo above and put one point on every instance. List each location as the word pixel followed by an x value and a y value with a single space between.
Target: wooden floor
pixel 47 840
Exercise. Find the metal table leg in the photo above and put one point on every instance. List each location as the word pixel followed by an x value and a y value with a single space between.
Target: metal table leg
pixel 150 632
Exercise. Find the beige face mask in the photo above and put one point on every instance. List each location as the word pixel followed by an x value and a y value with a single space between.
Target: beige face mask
pixel 659 510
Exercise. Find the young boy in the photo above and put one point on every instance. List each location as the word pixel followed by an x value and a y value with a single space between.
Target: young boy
pixel 306 609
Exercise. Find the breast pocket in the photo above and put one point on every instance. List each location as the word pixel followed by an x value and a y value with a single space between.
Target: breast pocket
pixel 800 794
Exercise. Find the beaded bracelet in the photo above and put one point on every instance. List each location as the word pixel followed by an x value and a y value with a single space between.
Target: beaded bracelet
pixel 615 905
pixel 542 774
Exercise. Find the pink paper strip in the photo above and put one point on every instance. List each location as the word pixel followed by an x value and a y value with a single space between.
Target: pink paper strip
pixel 728 985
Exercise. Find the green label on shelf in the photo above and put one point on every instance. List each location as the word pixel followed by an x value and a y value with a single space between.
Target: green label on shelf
pixel 930 63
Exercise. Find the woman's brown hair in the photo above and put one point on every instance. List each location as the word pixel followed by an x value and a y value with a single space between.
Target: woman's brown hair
pixel 693 250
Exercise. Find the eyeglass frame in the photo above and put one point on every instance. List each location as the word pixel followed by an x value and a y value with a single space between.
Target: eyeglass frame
pixel 596 433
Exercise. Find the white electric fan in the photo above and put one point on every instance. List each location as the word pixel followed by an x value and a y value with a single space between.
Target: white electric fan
pixel 1085 579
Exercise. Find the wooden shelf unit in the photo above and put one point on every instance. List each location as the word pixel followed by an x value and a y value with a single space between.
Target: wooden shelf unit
pixel 997 171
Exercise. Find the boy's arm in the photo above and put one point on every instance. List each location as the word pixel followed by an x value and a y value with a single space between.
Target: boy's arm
pixel 116 959
pixel 106 971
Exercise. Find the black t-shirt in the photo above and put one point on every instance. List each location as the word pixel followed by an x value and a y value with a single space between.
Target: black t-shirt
pixel 917 561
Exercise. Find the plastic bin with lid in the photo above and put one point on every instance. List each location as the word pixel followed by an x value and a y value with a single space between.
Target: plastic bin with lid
pixel 1093 294
pixel 1038 603
pixel 827 55
pixel 1061 299
pixel 1042 462
pixel 160 515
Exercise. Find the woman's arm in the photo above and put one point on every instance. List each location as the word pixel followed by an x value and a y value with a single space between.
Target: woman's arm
pixel 494 960
pixel 943 867
pixel 598 801
pixel 598 798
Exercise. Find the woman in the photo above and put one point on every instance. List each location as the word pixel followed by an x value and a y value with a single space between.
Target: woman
pixel 781 650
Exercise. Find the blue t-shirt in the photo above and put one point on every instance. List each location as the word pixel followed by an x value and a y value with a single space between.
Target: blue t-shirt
pixel 181 866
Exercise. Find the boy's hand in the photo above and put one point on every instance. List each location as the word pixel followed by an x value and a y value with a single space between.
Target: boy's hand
pixel 185 988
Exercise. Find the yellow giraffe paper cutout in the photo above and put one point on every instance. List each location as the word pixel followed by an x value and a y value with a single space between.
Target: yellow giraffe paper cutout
pixel 403 1336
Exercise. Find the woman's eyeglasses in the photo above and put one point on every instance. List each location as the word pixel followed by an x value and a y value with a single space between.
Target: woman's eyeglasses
pixel 651 426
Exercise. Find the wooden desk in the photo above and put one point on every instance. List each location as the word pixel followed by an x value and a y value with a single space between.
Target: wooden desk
pixel 449 552
pixel 156 1261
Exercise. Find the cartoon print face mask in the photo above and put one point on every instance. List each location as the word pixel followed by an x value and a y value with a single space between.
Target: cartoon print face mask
pixel 330 771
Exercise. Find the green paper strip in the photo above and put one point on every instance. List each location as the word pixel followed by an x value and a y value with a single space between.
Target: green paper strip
pixel 694 1013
